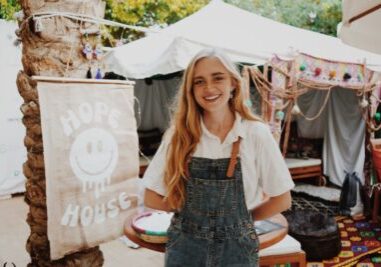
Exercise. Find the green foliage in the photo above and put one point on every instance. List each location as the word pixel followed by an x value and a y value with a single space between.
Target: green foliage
pixel 8 8
pixel 299 13
pixel 147 13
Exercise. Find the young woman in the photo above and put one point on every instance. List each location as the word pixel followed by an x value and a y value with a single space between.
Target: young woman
pixel 214 165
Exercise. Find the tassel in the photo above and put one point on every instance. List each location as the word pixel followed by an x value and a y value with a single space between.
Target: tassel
pixel 88 74
pixel 295 110
pixel 364 103
pixel 98 75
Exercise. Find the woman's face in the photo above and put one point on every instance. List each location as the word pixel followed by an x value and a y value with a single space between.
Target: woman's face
pixel 212 84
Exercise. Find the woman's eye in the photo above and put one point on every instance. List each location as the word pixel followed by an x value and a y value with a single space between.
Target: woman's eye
pixel 199 82
pixel 219 78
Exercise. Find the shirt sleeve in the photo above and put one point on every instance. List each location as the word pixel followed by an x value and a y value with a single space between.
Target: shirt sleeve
pixel 274 176
pixel 153 178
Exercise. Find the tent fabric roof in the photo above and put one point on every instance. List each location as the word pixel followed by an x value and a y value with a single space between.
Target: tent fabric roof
pixel 245 36
pixel 364 32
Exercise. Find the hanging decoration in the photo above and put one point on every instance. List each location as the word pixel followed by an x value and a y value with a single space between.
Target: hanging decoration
pixel 347 76
pixel 87 51
pixel 364 103
pixel 88 73
pixel 317 71
pixel 295 109
pixel 279 115
pixel 332 74
pixel 93 51
pixel 377 117
pixel 98 75
pixel 98 52
pixel 328 72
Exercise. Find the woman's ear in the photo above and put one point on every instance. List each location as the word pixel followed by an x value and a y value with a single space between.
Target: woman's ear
pixel 234 84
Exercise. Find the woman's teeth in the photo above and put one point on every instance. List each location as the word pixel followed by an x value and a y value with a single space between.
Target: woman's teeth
pixel 211 98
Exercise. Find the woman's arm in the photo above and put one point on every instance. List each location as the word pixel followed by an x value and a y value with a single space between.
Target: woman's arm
pixel 155 201
pixel 272 206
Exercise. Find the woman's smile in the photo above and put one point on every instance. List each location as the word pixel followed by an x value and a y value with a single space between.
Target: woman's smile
pixel 212 98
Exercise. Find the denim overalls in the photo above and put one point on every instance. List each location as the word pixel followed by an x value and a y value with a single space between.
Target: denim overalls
pixel 214 227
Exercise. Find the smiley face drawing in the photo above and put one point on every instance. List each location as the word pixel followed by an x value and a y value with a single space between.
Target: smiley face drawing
pixel 93 158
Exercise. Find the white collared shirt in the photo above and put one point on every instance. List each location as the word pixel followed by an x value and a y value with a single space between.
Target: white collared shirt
pixel 263 167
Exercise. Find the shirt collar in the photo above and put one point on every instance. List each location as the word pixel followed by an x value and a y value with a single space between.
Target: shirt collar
pixel 236 131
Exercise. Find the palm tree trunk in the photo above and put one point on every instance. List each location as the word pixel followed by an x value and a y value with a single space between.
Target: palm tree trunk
pixel 54 51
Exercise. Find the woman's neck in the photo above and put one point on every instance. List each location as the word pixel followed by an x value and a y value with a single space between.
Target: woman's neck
pixel 219 123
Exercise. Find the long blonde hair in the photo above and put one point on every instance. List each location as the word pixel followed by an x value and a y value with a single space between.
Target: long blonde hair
pixel 186 125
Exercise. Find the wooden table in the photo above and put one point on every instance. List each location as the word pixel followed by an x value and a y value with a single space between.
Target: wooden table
pixel 265 240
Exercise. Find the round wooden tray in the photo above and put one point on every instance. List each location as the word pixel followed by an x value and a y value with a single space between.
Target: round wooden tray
pixel 265 240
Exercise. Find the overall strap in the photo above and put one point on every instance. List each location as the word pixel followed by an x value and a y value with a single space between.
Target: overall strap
pixel 233 158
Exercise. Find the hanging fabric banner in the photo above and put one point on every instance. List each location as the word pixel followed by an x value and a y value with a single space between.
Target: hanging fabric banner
pixel 327 72
pixel 91 160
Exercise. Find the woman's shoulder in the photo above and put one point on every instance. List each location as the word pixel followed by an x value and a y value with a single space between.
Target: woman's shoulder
pixel 256 128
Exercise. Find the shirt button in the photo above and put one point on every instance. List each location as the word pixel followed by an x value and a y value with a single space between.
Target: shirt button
pixel 253 236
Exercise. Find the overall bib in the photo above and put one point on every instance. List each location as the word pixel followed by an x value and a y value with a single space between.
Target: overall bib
pixel 214 227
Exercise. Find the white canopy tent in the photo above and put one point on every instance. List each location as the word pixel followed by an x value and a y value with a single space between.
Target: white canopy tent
pixel 12 150
pixel 245 36
pixel 360 24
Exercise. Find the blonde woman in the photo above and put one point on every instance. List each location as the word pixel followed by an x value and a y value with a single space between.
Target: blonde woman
pixel 212 168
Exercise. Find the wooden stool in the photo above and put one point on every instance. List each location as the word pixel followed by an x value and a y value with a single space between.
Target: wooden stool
pixel 287 250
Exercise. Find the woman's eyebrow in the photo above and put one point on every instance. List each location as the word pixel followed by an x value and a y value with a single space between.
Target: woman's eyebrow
pixel 213 74
pixel 218 73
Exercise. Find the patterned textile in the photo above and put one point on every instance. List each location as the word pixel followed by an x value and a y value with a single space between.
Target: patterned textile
pixel 361 245
pixel 360 239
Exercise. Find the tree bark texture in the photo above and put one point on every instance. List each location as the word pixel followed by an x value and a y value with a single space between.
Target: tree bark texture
pixel 54 51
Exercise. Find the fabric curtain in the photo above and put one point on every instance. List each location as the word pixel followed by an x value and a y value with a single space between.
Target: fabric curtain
pixel 342 127
pixel 155 98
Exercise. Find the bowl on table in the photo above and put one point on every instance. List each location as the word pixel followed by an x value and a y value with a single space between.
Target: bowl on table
pixel 151 226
